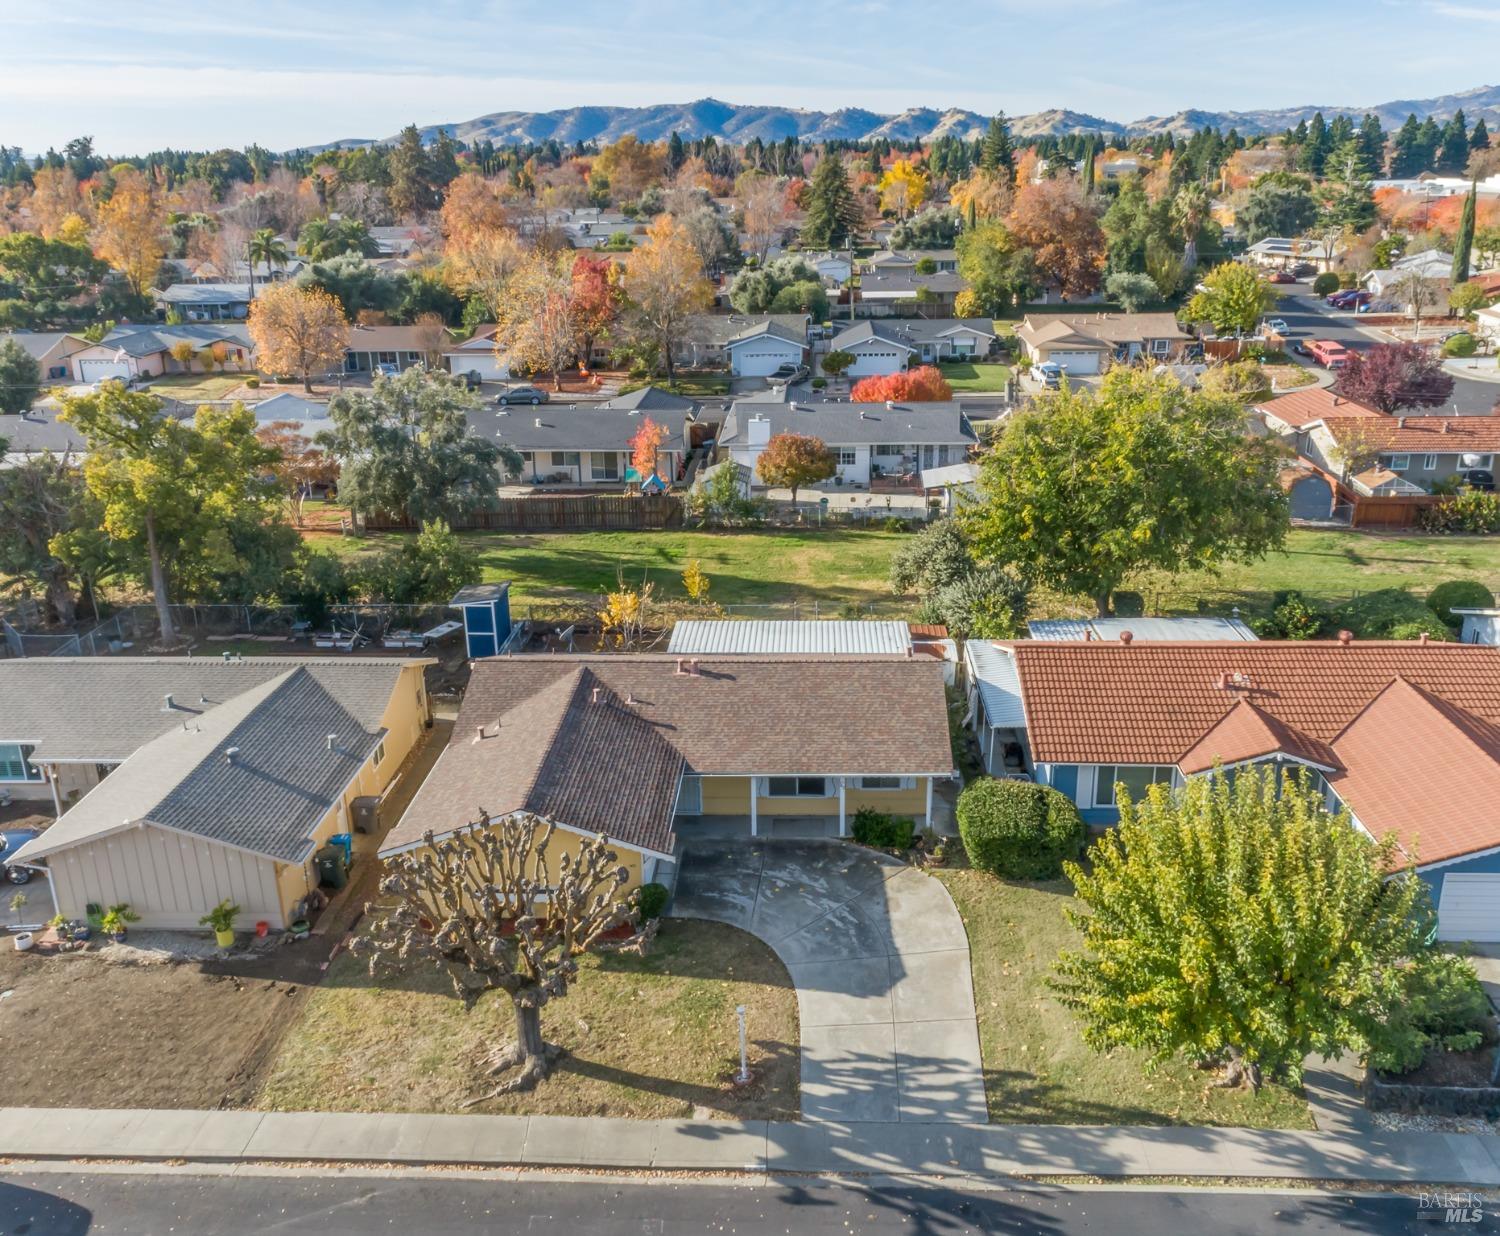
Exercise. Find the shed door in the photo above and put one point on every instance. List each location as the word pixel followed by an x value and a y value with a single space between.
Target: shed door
pixel 1469 908
pixel 1311 498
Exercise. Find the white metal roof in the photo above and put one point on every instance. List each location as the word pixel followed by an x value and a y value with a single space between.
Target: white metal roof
pixel 999 685
pixel 1204 628
pixel 720 637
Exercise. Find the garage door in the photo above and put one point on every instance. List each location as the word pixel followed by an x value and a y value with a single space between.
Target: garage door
pixel 753 362
pixel 1076 362
pixel 1469 908
pixel 98 370
pixel 877 361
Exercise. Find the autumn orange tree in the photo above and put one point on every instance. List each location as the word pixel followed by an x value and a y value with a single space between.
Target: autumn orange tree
pixel 645 445
pixel 924 384
pixel 666 287
pixel 480 248
pixel 130 230
pixel 597 300
pixel 537 315
pixel 792 460
pixel 300 331
pixel 299 465
pixel 1060 225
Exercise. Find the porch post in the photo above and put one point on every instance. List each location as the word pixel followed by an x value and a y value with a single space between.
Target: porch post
pixel 56 798
pixel 753 812
pixel 843 818
pixel 928 821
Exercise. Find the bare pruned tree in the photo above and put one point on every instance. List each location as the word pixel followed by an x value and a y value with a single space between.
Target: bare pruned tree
pixel 490 906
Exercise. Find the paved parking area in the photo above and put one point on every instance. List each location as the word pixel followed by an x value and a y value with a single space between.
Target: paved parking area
pixel 880 960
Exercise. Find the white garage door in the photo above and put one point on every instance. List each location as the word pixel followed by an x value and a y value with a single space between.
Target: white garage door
pixel 487 365
pixel 1076 362
pixel 761 362
pixel 98 370
pixel 1469 908
pixel 877 361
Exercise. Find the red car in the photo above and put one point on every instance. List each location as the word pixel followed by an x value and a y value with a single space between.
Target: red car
pixel 1328 352
pixel 1279 276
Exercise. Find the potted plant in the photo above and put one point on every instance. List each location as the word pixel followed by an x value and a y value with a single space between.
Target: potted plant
pixel 117 920
pixel 221 919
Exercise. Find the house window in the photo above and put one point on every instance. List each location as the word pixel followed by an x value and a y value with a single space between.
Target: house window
pixel 1161 346
pixel 886 449
pixel 847 457
pixel 796 787
pixel 883 783
pixel 385 358
pixel 16 765
pixel 564 459
pixel 604 467
pixel 1398 463
pixel 380 753
pixel 1429 463
pixel 1134 777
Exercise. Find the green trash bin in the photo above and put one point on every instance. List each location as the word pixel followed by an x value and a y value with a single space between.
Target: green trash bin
pixel 333 872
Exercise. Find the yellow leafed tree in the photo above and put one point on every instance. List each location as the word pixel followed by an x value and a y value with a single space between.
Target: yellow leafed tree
pixel 664 281
pixel 300 331
pixel 903 188
pixel 130 230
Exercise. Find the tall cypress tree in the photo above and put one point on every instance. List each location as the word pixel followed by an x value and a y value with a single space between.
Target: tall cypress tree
pixel 1088 170
pixel 998 154
pixel 1463 244
pixel 832 212
pixel 1371 141
pixel 1479 135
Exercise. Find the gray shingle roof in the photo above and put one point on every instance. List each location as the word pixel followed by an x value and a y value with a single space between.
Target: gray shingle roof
pixel 651 399
pixel 207 294
pixel 37 344
pixel 910 332
pixel 559 427
pixel 39 430
pixel 855 424
pixel 148 340
pixel 721 328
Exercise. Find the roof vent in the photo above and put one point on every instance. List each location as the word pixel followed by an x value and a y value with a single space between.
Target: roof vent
pixel 792 405
pixel 595 694
pixel 538 422
pixel 332 741
pixel 1422 638
pixel 890 405
pixel 167 704
pixel 1346 637
pixel 1126 636
pixel 1401 422
pixel 230 753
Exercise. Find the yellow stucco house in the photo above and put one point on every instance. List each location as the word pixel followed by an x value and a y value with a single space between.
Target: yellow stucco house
pixel 198 780
pixel 647 748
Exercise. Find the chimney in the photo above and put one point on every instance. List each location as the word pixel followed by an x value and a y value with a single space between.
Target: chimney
pixel 758 430
pixel 692 666
pixel 1126 636
pixel 792 405
pixel 1422 638
pixel 681 666
pixel 890 405
pixel 1346 637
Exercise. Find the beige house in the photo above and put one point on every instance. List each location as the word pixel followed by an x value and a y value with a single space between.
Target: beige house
pixel 647 748
pixel 1086 343
pixel 193 781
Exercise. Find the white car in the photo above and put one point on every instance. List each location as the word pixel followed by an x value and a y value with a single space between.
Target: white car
pixel 1279 326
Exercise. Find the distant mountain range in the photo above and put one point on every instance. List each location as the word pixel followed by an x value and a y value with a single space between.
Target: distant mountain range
pixel 738 123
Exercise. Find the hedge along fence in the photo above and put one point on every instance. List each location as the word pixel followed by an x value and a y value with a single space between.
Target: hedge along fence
pixel 553 513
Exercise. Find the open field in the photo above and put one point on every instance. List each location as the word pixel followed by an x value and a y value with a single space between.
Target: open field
pixel 1037 1069
pixel 644 1037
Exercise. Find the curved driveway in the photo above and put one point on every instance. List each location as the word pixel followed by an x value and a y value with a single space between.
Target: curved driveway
pixel 881 964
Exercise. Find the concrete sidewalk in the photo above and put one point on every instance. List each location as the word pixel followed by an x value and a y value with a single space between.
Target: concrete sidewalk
pixel 901 1148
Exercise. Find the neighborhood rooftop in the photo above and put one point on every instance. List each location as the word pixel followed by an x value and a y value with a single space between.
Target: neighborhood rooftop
pixel 719 637
pixel 851 424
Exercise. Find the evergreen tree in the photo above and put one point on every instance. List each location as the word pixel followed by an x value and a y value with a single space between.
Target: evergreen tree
pixel 676 155
pixel 832 213
pixel 1429 140
pixel 1479 135
pixel 411 189
pixel 1087 176
pixel 998 154
pixel 1453 150
pixel 1372 142
pixel 1314 152
pixel 1406 151
pixel 1463 244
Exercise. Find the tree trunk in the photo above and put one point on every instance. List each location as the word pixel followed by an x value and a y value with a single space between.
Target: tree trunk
pixel 1190 254
pixel 307 381
pixel 60 597
pixel 1239 1072
pixel 159 585
pixel 530 1054
pixel 1102 600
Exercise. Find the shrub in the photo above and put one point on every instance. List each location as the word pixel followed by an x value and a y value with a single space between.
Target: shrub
pixel 1460 345
pixel 1325 284
pixel 253 382
pixel 1293 616
pixel 1415 630
pixel 882 830
pixel 1472 511
pixel 1018 830
pixel 819 383
pixel 1348 280
pixel 1442 1006
pixel 1129 605
pixel 652 900
pixel 1379 614
pixel 1460 593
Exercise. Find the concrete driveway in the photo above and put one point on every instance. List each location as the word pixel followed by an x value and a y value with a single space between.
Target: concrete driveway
pixel 880 961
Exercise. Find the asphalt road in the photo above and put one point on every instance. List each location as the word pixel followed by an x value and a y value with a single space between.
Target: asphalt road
pixel 58 1204
pixel 1310 318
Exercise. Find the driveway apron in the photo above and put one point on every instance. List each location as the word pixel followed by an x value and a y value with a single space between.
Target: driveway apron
pixel 880 961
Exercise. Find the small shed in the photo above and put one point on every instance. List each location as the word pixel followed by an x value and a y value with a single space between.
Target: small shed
pixel 486 611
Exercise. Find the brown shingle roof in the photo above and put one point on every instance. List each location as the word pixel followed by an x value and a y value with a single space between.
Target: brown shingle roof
pixel 610 762
pixel 1301 407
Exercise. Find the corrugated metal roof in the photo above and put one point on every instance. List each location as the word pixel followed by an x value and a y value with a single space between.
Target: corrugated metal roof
pixel 722 637
pixel 1201 628
pixel 999 685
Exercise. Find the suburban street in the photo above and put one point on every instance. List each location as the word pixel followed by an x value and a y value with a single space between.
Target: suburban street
pixel 70 1204
pixel 1310 318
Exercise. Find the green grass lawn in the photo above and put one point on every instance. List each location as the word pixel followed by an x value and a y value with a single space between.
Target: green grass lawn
pixel 190 386
pixel 968 376
pixel 691 385
pixel 1037 1068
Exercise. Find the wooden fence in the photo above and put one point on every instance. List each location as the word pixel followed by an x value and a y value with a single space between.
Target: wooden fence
pixel 1395 511
pixel 556 513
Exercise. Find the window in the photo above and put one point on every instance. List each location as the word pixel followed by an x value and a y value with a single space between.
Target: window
pixel 1161 346
pixel 604 467
pixel 386 358
pixel 847 457
pixel 1429 463
pixel 16 765
pixel 796 787
pixel 1398 463
pixel 1134 777
pixel 886 449
pixel 883 783
pixel 380 753
pixel 564 459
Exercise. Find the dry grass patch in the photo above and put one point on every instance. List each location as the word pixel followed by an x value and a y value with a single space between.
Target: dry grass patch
pixel 644 1037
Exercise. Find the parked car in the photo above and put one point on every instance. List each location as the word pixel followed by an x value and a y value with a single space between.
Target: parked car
pixel 470 379
pixel 1279 276
pixel 387 369
pixel 1279 326
pixel 788 374
pixel 1329 353
pixel 1300 348
pixel 1480 478
pixel 1050 373
pixel 522 394
pixel 11 840
pixel 1350 298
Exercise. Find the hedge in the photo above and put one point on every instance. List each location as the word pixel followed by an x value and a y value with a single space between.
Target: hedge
pixel 1018 830
pixel 1460 593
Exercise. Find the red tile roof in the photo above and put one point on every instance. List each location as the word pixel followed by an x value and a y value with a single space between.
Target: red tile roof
pixel 1411 730
pixel 1300 407
pixel 1420 434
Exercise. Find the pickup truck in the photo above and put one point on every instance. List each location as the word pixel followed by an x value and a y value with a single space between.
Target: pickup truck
pixel 1329 353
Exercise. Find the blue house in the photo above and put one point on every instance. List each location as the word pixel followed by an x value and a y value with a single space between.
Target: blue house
pixel 1405 734
pixel 486 611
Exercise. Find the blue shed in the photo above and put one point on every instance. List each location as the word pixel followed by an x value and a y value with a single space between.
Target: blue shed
pixel 486 610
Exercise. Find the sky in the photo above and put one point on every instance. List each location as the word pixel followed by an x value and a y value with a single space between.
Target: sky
pixel 167 73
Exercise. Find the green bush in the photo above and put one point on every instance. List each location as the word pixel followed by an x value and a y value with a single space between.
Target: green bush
pixel 882 830
pixel 1460 593
pixel 1018 830
pixel 1460 345
pixel 1292 616
pixel 1325 284
pixel 1348 280
pixel 253 382
pixel 819 383
pixel 1379 614
pixel 1442 1006
pixel 652 900
pixel 1471 511
pixel 1415 630
pixel 1129 605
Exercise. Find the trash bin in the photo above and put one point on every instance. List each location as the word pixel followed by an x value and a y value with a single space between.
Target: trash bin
pixel 332 870
pixel 345 842
pixel 366 812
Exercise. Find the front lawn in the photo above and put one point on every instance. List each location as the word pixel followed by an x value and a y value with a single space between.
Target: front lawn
pixel 202 387
pixel 1037 1069
pixel 689 385
pixel 971 377
pixel 644 1037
